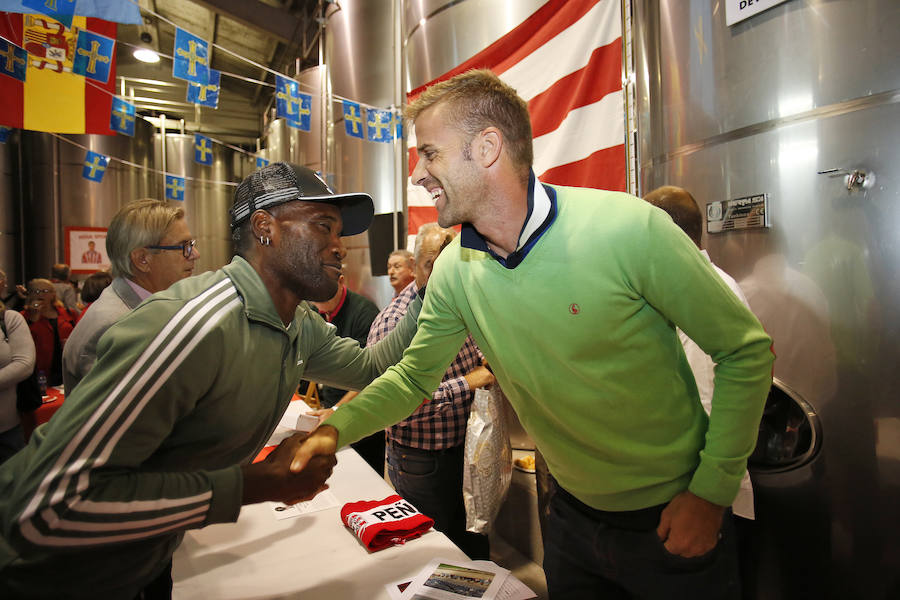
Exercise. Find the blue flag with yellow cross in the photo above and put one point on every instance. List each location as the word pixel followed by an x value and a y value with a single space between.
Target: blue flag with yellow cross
pixel 174 187
pixel 191 54
pixel 379 125
pixel 203 149
pixel 93 55
pixel 94 166
pixel 121 117
pixel 205 94
pixel 353 120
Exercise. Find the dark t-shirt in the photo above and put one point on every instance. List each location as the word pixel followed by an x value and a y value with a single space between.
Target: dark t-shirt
pixel 353 320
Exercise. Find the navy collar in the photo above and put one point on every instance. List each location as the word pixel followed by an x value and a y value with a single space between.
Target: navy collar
pixel 542 210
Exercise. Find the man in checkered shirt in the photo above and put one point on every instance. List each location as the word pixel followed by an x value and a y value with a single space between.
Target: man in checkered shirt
pixel 425 451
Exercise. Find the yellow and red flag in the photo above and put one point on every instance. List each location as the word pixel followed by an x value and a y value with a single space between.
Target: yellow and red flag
pixel 52 97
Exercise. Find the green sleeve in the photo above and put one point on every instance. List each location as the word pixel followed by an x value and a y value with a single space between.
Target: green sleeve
pixel 396 394
pixel 681 284
pixel 84 481
pixel 341 363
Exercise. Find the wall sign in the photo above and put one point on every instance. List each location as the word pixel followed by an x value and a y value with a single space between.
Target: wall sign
pixel 749 212
pixel 86 249
pixel 738 10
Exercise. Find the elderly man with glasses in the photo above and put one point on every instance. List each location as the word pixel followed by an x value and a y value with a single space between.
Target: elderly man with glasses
pixel 150 248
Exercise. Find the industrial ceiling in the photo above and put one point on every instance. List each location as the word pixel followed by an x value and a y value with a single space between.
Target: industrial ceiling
pixel 281 35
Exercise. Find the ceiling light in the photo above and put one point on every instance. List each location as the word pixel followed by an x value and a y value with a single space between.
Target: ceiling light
pixel 146 55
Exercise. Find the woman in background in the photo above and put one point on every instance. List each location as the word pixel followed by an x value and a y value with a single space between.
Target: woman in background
pixel 16 364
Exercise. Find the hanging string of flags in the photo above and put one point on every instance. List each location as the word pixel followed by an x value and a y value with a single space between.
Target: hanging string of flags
pixel 92 57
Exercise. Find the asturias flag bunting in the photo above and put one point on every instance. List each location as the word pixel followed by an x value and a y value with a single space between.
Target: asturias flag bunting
pixel 303 121
pixel 61 10
pixel 379 125
pixel 353 120
pixel 121 119
pixel 261 162
pixel 174 187
pixel 94 54
pixel 205 94
pixel 203 149
pixel 94 166
pixel 52 96
pixel 191 58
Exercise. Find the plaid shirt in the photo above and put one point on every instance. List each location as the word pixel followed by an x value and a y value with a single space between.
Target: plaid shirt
pixel 441 421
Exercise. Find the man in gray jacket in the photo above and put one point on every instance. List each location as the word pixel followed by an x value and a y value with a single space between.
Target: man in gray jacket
pixel 150 247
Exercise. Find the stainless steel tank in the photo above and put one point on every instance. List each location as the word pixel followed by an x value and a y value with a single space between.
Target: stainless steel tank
pixel 758 110
pixel 56 196
pixel 9 211
pixel 207 196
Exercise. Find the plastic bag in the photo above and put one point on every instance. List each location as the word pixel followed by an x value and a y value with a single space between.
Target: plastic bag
pixel 487 467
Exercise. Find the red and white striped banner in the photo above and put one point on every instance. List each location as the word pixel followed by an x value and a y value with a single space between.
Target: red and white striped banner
pixel 565 60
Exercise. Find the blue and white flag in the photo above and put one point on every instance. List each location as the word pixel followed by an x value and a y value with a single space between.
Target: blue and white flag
pixel 94 55
pixel 108 10
pixel 94 166
pixel 61 10
pixel 203 149
pixel 261 162
pixel 191 58
pixel 174 187
pixel 122 116
pixel 353 120
pixel 205 94
pixel 304 113
pixel 379 125
pixel 5 132
pixel 13 60
pixel 286 98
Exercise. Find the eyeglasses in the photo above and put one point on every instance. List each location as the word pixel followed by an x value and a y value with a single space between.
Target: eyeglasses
pixel 39 291
pixel 187 248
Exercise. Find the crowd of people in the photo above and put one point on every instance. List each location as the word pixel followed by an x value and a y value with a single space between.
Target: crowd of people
pixel 574 298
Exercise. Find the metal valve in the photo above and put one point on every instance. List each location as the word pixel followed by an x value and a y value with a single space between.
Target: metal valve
pixel 855 178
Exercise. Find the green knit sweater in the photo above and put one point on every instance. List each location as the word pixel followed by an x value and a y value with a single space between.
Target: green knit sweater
pixel 581 336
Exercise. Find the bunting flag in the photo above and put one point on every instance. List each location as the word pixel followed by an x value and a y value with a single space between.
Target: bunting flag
pixel 379 125
pixel 5 132
pixel 261 162
pixel 203 149
pixel 191 61
pixel 121 118
pixel 15 60
pixel 94 166
pixel 303 120
pixel 353 121
pixel 565 60
pixel 52 97
pixel 174 187
pixel 398 122
pixel 94 55
pixel 205 94
pixel 109 10
pixel 286 100
pixel 60 10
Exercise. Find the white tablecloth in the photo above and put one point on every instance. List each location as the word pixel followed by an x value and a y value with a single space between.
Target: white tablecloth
pixel 310 557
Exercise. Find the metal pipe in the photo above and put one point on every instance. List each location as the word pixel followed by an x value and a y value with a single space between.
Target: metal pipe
pixel 162 153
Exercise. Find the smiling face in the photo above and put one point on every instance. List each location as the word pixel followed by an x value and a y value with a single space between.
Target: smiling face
pixel 445 167
pixel 309 244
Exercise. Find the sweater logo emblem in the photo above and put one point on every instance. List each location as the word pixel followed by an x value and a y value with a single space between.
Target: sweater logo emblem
pixel 574 309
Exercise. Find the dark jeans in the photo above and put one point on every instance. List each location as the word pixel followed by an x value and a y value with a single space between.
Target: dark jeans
pixel 616 555
pixel 432 481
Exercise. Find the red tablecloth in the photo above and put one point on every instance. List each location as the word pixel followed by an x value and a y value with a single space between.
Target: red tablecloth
pixel 53 399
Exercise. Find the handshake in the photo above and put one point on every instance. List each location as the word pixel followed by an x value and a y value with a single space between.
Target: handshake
pixel 295 471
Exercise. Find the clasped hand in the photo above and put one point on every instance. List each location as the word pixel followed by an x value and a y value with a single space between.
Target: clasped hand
pixel 273 479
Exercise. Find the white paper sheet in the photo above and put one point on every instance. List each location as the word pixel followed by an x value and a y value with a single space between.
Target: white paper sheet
pixel 323 501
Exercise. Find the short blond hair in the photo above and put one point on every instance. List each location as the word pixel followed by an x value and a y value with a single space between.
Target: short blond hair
pixel 137 224
pixel 479 100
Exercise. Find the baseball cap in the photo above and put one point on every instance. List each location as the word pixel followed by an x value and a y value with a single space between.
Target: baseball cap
pixel 282 182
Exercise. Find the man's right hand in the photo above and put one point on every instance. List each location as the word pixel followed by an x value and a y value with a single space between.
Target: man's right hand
pixel 321 442
pixel 274 480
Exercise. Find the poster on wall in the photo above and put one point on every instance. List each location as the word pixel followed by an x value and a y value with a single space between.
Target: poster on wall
pixel 86 249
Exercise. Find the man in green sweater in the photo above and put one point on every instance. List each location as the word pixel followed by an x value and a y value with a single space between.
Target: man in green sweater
pixel 159 436
pixel 573 295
